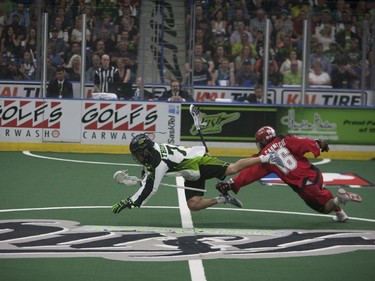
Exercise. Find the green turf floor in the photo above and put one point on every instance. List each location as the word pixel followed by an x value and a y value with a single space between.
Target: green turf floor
pixel 29 182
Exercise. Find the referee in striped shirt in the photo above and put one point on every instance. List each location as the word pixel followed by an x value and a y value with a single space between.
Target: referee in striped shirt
pixel 104 75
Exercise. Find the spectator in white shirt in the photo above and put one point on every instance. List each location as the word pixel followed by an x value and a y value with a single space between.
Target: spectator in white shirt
pixel 318 77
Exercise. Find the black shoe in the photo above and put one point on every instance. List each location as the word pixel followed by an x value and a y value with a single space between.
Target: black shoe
pixel 233 201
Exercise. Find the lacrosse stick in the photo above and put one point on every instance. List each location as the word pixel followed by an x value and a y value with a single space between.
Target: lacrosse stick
pixel 122 177
pixel 197 117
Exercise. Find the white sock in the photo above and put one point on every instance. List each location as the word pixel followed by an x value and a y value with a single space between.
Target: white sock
pixel 220 199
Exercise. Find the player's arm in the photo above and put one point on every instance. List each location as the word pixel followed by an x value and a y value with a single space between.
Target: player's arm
pixel 245 177
pixel 300 146
pixel 271 158
pixel 149 186
pixel 146 191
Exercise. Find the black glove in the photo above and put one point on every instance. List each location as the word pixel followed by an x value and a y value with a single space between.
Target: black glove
pixel 323 145
pixel 224 186
pixel 124 203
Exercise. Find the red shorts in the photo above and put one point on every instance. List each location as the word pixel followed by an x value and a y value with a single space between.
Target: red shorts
pixel 315 196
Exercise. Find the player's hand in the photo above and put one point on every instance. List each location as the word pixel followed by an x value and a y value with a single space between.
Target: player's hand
pixel 323 145
pixel 224 186
pixel 273 158
pixel 124 203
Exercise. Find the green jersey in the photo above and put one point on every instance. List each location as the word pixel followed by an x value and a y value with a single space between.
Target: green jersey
pixel 172 161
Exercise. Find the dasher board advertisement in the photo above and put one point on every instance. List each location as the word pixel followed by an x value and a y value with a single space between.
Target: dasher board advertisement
pixel 117 122
pixel 227 123
pixel 337 125
pixel 281 95
pixel 87 121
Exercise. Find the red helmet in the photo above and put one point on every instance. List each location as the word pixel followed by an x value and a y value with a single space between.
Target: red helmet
pixel 264 136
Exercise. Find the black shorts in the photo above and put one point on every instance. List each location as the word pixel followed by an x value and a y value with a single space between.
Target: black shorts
pixel 209 167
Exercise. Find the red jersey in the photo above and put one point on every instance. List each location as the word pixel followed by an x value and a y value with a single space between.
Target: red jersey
pixel 298 171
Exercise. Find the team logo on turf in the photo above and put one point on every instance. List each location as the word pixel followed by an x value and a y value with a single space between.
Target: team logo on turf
pixel 48 238
pixel 330 180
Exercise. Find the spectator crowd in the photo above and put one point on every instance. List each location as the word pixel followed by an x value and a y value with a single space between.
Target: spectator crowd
pixel 112 29
pixel 229 40
pixel 230 37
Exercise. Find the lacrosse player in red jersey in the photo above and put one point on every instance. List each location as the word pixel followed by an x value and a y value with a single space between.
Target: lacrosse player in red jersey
pixel 192 163
pixel 302 176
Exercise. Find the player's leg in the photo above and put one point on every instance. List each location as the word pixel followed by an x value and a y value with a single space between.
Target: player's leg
pixel 194 199
pixel 323 201
pixel 196 202
pixel 341 199
pixel 318 198
pixel 340 215
pixel 344 197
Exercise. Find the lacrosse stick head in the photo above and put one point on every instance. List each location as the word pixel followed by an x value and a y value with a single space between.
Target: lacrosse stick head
pixel 122 177
pixel 197 116
pixel 142 148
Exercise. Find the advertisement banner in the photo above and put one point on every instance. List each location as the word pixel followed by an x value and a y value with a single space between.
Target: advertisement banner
pixel 227 123
pixel 337 125
pixel 324 97
pixel 282 95
pixel 210 94
pixel 85 121
pixel 33 89
pixel 117 122
pixel 36 120
pixel 291 96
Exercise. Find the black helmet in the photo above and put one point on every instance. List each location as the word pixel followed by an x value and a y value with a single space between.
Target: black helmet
pixel 141 148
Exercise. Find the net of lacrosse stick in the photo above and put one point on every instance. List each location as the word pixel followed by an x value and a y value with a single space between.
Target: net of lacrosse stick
pixel 123 177
pixel 197 118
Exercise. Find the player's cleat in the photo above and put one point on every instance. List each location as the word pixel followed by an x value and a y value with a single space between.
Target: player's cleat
pixel 340 216
pixel 344 197
pixel 233 201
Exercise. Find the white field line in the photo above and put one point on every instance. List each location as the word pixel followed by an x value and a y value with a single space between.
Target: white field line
pixel 176 207
pixel 323 161
pixel 195 266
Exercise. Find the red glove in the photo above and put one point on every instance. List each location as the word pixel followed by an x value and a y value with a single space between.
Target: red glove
pixel 224 186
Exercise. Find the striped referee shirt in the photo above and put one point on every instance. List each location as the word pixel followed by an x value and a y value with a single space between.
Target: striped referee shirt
pixel 103 77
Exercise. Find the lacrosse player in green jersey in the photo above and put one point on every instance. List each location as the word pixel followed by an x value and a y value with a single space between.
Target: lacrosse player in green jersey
pixel 192 163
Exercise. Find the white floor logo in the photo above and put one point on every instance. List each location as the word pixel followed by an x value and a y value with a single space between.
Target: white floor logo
pixel 49 238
